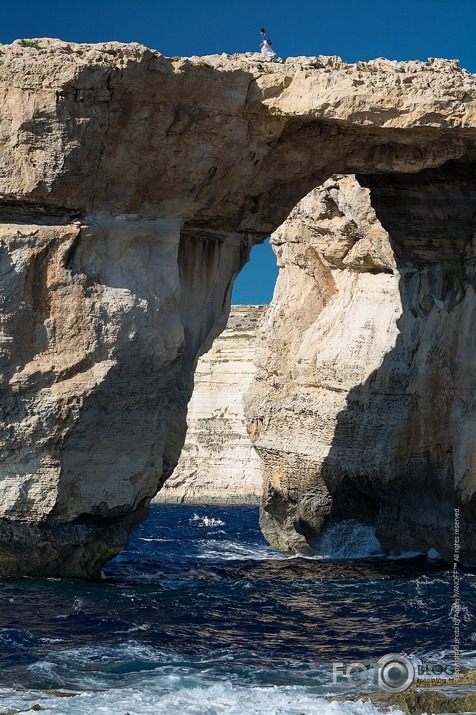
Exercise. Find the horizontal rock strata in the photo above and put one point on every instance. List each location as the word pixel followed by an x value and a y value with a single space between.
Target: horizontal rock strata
pixel 132 187
pixel 218 464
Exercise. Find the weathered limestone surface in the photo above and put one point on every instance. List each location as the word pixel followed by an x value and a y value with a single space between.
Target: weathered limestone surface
pixel 363 407
pixel 131 189
pixel 218 463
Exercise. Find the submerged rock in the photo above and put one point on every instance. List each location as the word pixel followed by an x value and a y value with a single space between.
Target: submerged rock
pixel 422 702
pixel 429 696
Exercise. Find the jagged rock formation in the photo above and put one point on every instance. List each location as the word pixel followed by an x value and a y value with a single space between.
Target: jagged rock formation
pixel 132 187
pixel 357 411
pixel 218 463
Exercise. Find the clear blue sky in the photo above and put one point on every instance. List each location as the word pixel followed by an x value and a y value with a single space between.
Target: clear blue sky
pixel 353 29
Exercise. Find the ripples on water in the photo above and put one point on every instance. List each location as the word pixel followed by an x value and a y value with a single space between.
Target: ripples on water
pixel 204 620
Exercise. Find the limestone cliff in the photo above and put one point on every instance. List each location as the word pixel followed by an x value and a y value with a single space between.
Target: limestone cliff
pixel 218 463
pixel 363 406
pixel 131 189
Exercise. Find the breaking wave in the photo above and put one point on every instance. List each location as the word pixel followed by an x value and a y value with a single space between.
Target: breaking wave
pixel 349 540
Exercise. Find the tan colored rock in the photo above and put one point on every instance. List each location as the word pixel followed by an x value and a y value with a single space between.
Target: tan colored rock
pixel 132 187
pixel 218 463
pixel 356 409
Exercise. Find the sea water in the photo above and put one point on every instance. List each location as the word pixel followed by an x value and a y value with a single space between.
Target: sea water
pixel 205 620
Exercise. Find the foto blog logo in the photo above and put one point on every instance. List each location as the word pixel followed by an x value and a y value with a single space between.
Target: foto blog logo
pixel 393 673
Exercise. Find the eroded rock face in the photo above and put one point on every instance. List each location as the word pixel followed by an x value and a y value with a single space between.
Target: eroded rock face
pixel 363 407
pixel 131 189
pixel 218 463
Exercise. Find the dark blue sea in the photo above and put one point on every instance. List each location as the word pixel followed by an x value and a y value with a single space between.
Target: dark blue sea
pixel 205 620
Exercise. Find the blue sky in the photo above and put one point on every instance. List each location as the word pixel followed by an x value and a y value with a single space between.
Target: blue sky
pixel 353 29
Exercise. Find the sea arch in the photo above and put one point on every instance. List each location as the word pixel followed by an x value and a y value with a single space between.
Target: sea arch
pixel 133 187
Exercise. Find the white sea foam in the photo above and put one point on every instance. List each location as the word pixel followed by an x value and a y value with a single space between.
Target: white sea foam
pixel 349 540
pixel 192 698
pixel 162 683
pixel 235 551
pixel 167 541
pixel 424 582
pixel 106 655
pixel 352 540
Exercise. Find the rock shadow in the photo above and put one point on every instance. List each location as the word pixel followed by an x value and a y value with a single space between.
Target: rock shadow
pixel 402 452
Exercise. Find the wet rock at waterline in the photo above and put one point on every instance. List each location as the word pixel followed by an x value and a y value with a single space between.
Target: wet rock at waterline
pixel 131 191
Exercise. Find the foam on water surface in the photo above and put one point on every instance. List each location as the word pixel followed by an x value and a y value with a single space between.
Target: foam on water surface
pixel 204 621
pixel 226 550
pixel 349 540
pixel 191 698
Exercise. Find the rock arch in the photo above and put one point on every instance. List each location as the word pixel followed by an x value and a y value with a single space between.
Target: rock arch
pixel 132 188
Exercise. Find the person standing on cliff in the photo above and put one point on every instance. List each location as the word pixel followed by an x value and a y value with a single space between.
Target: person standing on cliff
pixel 266 50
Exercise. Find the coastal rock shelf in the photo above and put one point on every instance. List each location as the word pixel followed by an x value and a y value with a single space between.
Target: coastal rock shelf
pixel 217 463
pixel 132 188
